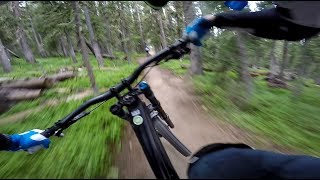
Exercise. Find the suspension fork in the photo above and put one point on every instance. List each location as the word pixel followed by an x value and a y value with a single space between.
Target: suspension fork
pixel 148 93
pixel 141 122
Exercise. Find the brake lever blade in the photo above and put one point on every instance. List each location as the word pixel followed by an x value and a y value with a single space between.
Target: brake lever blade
pixel 59 133
pixel 75 119
pixel 81 115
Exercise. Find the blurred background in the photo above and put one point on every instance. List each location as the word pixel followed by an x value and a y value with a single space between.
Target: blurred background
pixel 57 54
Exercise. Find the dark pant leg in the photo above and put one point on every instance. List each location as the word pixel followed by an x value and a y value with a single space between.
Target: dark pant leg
pixel 239 163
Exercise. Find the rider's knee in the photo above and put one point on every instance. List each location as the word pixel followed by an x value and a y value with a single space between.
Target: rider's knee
pixel 219 161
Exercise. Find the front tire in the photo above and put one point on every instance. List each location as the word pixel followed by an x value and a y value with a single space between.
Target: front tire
pixel 165 132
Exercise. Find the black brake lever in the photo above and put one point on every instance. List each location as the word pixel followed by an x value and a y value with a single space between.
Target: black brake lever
pixel 178 53
pixel 75 119
pixel 59 133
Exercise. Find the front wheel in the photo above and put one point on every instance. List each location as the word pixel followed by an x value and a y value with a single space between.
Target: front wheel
pixel 165 132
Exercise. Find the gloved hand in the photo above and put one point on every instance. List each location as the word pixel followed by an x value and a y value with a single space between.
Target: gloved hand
pixel 30 141
pixel 236 5
pixel 199 28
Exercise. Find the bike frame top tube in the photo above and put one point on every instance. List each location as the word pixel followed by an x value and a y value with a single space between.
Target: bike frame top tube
pixel 120 87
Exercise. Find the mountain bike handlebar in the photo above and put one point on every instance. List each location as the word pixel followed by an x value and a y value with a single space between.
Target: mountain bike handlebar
pixel 175 51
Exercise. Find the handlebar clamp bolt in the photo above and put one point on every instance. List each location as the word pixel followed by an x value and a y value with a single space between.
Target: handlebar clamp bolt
pixel 115 92
pixel 128 85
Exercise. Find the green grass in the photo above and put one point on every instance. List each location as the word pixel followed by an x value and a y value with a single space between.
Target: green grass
pixel 84 152
pixel 88 147
pixel 21 107
pixel 175 66
pixel 20 68
pixel 50 65
pixel 104 78
pixel 293 122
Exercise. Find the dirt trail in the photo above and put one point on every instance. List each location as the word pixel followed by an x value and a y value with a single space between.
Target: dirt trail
pixel 193 126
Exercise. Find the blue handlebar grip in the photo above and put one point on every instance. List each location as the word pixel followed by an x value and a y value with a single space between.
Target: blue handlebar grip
pixel 143 85
pixel 236 5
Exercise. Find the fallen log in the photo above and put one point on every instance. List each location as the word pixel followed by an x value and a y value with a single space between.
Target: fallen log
pixel 255 74
pixel 34 83
pixel 12 94
pixel 108 56
pixel 62 76
pixel 37 83
pixel 265 73
pixel 275 82
pixel 4 79
pixel 276 85
pixel 183 66
pixel 4 105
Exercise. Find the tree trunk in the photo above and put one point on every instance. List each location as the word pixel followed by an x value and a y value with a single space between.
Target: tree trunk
pixel 142 37
pixel 196 61
pixel 165 23
pixel 83 47
pixel 102 47
pixel 21 35
pixel 305 60
pixel 316 73
pixel 8 53
pixel 128 36
pixel 71 50
pixel 162 34
pixel 39 45
pixel 273 62
pixel 173 33
pixel 284 59
pixel 62 43
pixel 40 39
pixel 302 69
pixel 179 16
pixel 41 42
pixel 317 80
pixel 89 46
pixel 259 57
pixel 123 43
pixel 243 56
pixel 94 43
pixel 5 61
pixel 123 33
pixel 108 32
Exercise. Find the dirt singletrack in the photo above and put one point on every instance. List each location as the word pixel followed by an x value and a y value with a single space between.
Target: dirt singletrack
pixel 193 126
